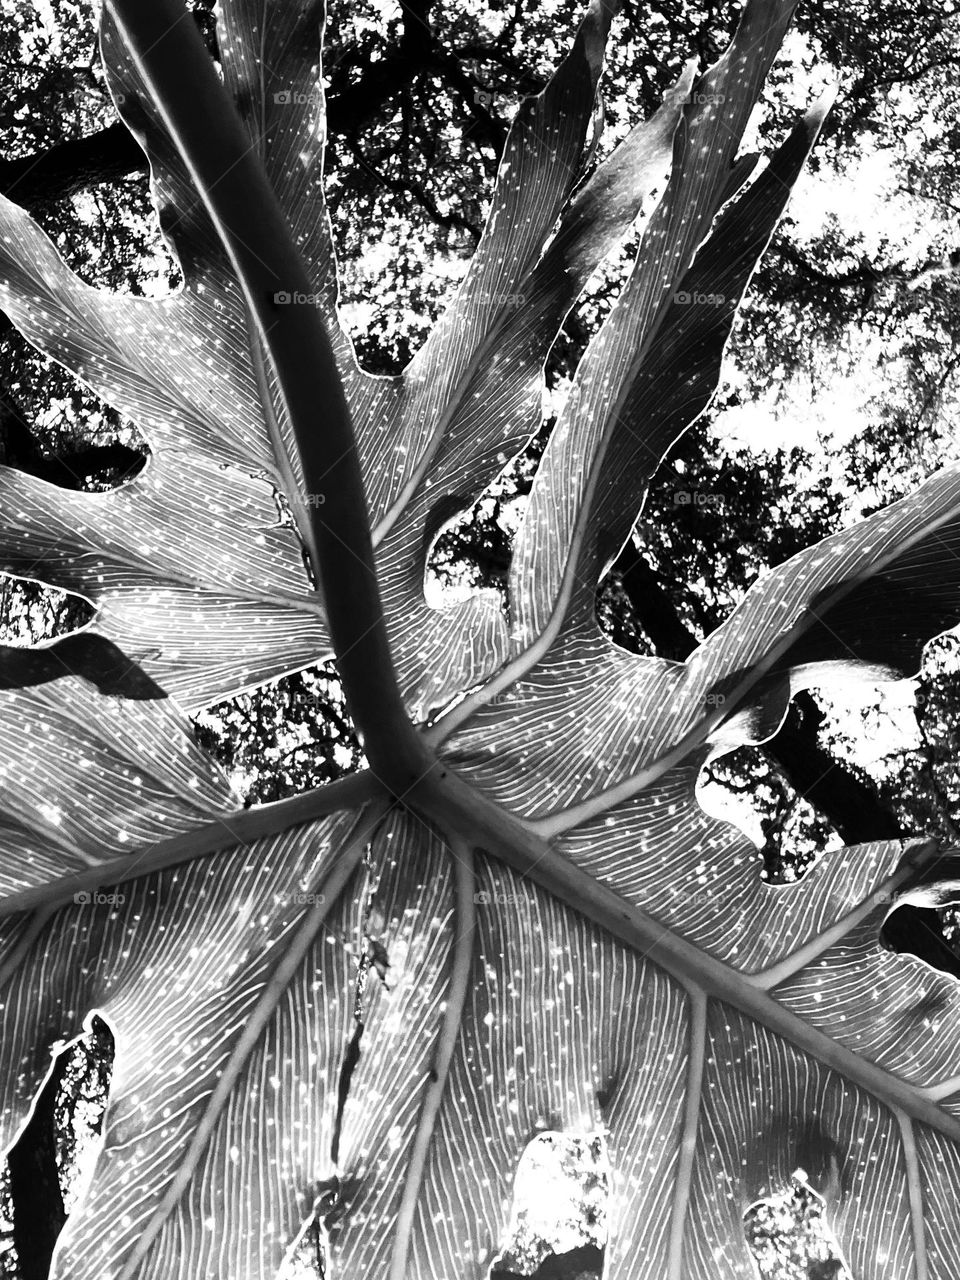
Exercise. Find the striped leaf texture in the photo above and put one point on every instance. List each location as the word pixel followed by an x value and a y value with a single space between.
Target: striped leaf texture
pixel 352 1011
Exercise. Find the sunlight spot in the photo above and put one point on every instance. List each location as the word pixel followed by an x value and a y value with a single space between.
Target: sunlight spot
pixel 559 1210
pixel 789 1237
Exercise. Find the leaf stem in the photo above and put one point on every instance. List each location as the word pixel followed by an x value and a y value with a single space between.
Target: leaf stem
pixel 908 1142
pixel 224 165
pixel 491 829
pixel 686 1163
pixel 235 829
pixel 465 920
pixel 292 956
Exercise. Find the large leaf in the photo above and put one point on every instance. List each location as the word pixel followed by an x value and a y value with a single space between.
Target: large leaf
pixel 192 375
pixel 358 1007
pixel 111 765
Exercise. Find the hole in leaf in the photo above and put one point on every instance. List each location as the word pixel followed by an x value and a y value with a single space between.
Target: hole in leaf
pixel 308 1256
pixel 471 544
pixel 558 1221
pixel 925 782
pixel 283 738
pixel 31 612
pixel 51 1163
pixel 750 789
pixel 53 427
pixel 471 552
pixel 789 1237
pixel 616 611
pixel 929 933
pixel 949 918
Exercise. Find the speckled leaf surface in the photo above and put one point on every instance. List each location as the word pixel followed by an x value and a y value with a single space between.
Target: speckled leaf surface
pixel 571 941
pixel 109 765
pixel 191 373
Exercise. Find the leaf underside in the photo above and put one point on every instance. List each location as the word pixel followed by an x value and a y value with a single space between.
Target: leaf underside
pixel 641 978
